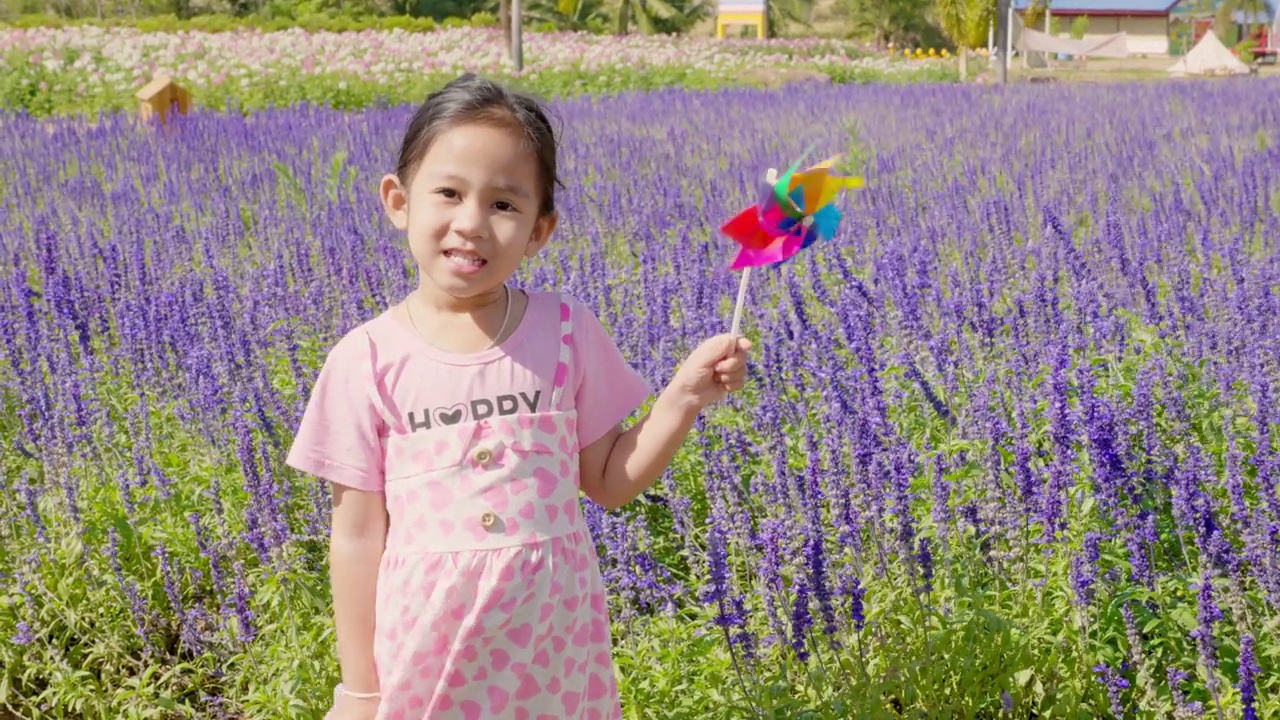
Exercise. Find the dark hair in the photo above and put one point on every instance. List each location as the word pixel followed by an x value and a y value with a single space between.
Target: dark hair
pixel 473 99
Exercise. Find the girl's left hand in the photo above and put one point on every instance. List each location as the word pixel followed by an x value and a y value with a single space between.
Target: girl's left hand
pixel 712 371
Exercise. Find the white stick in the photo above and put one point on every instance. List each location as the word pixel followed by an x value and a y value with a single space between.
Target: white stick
pixel 742 297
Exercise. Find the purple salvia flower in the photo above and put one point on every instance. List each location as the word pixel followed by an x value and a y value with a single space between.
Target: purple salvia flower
pixel 1138 656
pixel 801 617
pixel 1053 503
pixel 187 627
pixel 769 571
pixel 941 496
pixel 1182 709
pixel 1207 613
pixel 31 494
pixel 129 588
pixel 246 631
pixel 924 558
pixel 1084 569
pixel 1248 679
pixel 24 636
pixel 1115 684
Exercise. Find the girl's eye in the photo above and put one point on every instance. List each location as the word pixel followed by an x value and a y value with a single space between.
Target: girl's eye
pixel 504 206
pixel 448 192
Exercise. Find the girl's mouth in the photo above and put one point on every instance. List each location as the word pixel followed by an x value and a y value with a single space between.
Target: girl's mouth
pixel 465 260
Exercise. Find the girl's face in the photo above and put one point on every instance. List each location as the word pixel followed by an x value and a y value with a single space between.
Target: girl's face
pixel 471 210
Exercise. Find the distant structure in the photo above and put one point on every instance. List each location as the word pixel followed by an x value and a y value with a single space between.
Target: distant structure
pixel 1144 24
pixel 1209 57
pixel 158 97
pixel 742 12
pixel 1257 21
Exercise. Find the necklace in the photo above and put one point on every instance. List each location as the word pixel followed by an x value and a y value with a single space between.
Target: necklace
pixel 506 318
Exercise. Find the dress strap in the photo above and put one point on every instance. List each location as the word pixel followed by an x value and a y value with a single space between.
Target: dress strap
pixel 562 365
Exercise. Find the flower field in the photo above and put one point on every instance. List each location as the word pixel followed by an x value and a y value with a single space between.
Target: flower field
pixel 79 68
pixel 1009 448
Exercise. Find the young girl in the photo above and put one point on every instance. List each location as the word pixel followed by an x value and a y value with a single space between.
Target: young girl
pixel 458 428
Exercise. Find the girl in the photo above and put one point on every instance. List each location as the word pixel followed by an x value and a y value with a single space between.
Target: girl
pixel 457 429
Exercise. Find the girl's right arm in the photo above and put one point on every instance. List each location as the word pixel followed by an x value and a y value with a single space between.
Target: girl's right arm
pixel 357 539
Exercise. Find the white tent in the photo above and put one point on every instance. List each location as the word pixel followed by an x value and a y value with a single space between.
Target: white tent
pixel 1209 57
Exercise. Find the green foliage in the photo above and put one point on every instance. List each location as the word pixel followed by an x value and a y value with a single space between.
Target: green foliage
pixel 661 16
pixel 37 91
pixel 965 21
pixel 1245 50
pixel 581 15
pixel 228 23
pixel 901 22
pixel 1079 27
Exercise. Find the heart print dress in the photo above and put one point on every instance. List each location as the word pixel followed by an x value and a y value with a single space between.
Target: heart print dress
pixel 490 602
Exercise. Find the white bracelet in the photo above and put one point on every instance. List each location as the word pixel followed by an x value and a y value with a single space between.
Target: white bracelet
pixel 359 696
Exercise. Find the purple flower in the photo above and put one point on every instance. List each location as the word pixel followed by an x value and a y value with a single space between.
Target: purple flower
pixel 1207 613
pixel 1084 569
pixel 24 636
pixel 1115 684
pixel 1248 678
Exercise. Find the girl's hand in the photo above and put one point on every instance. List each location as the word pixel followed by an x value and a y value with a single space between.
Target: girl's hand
pixel 712 371
pixel 346 707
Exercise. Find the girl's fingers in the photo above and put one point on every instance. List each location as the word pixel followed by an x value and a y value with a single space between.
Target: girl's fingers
pixel 731 364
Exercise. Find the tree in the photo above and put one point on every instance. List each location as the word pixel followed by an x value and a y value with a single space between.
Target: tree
pixel 888 21
pixel 965 23
pixel 785 12
pixel 1224 19
pixel 661 16
pixel 586 15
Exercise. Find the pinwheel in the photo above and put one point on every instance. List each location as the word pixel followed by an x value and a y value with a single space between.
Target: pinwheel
pixel 795 211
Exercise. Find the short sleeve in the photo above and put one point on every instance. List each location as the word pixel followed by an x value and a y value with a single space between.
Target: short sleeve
pixel 607 388
pixel 340 436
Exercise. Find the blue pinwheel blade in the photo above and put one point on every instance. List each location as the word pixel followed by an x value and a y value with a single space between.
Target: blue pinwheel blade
pixel 825 221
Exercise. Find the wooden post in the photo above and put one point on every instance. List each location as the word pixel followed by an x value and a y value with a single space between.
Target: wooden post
pixel 517 37
pixel 158 96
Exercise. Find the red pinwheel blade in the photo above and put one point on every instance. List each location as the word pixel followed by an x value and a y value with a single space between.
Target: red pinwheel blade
pixel 746 230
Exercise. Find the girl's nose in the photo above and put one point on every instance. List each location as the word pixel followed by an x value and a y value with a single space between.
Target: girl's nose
pixel 468 219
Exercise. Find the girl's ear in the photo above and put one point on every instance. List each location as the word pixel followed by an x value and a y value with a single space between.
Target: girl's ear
pixel 542 230
pixel 395 201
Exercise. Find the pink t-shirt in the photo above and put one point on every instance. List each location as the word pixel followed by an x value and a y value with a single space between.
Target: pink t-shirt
pixel 382 376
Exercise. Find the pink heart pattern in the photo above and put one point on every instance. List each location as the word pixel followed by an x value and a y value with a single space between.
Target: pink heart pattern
pixel 490 601
pixel 465 648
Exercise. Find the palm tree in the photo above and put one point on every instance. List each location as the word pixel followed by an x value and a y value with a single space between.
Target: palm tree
pixel 569 14
pixel 965 23
pixel 886 21
pixel 1249 10
pixel 784 12
pixel 661 16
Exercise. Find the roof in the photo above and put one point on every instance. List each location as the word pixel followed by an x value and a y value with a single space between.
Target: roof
pixel 154 88
pixel 1267 9
pixel 1102 7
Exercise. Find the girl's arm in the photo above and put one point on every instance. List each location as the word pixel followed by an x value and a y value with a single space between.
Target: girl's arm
pixel 615 469
pixel 357 540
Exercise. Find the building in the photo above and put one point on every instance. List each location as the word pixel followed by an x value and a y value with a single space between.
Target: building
pixel 1258 20
pixel 1145 23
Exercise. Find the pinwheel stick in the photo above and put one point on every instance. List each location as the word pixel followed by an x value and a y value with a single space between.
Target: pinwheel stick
pixel 742 289
pixel 742 297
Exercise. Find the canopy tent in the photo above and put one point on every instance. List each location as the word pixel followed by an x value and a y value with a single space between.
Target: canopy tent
pixel 1115 45
pixel 1209 57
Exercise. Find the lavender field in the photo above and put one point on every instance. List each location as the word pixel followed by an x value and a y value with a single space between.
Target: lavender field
pixel 1009 449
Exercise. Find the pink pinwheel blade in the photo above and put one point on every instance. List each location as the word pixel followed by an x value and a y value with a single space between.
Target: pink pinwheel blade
pixel 780 250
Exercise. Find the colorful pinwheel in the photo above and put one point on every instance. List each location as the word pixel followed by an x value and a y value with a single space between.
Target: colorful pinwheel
pixel 794 212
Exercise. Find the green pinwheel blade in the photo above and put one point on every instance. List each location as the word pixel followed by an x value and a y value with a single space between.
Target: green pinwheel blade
pixel 781 193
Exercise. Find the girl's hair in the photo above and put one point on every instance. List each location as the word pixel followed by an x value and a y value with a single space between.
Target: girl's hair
pixel 472 99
